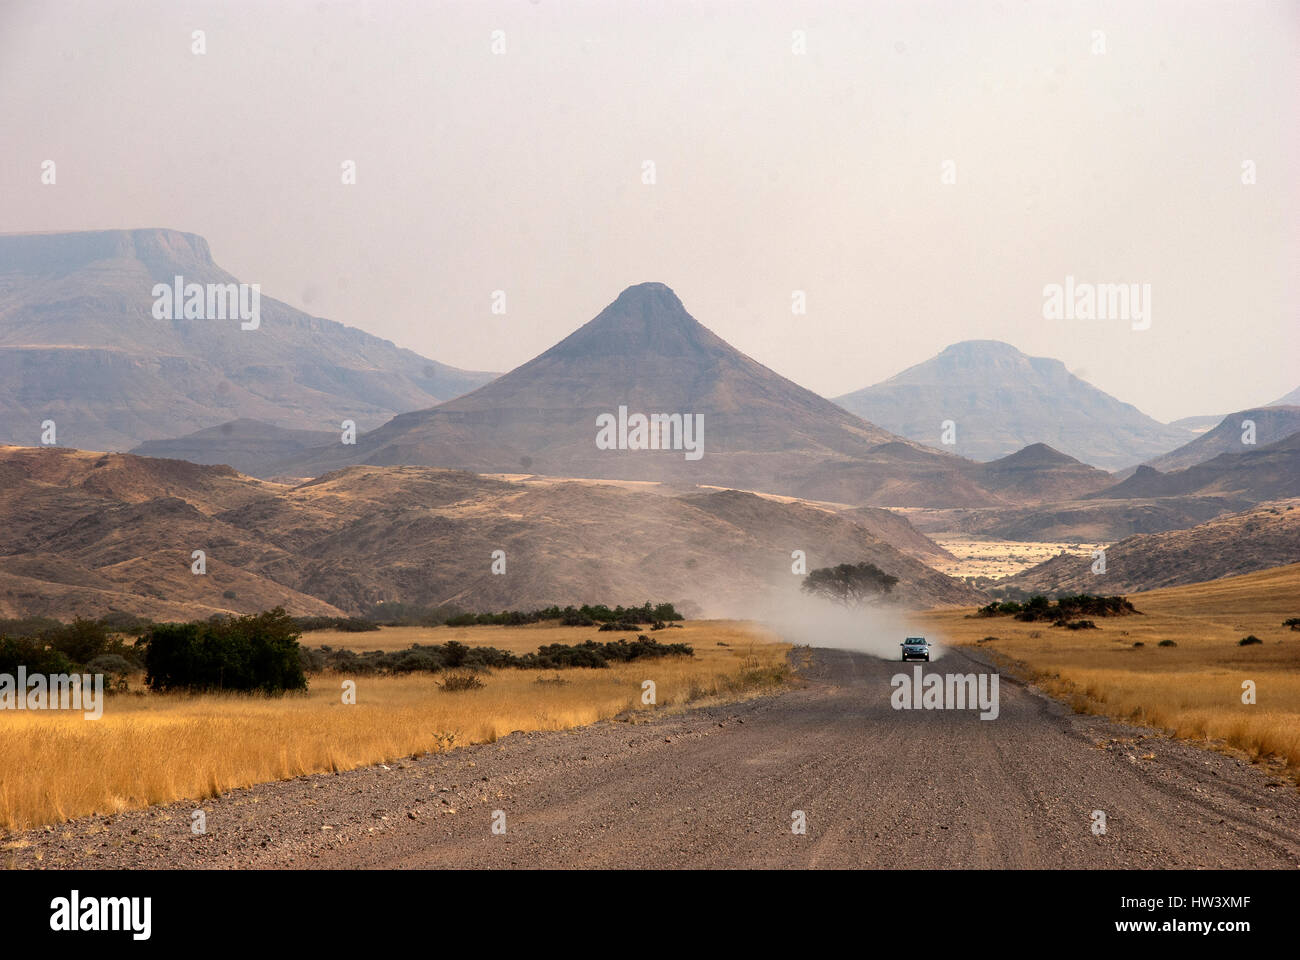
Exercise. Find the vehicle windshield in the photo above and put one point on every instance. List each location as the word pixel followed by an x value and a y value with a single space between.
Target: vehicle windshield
pixel 915 640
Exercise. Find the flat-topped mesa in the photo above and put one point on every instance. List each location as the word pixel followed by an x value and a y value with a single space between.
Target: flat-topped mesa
pixel 163 251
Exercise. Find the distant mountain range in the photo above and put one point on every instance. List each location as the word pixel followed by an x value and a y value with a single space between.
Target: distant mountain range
pixel 1270 424
pixel 1256 473
pixel 1200 424
pixel 645 355
pixel 88 533
pixel 80 345
pixel 1000 400
pixel 1148 500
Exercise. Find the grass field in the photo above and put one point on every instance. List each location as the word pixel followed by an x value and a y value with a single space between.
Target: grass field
pixel 522 639
pixel 990 557
pixel 1192 690
pixel 160 748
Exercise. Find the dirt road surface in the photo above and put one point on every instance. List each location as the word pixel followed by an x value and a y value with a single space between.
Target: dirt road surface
pixel 719 786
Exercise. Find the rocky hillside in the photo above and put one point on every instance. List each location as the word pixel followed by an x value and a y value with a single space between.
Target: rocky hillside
pixel 1271 424
pixel 87 533
pixel 1264 536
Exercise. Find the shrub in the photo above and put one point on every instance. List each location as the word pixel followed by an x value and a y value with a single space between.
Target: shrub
pixel 410 661
pixel 33 654
pixel 252 653
pixel 454 655
pixel 455 682
pixel 1063 609
pixel 1166 643
pixel 114 669
pixel 572 618
pixel 555 656
pixel 110 664
pixel 81 640
pixel 1248 641
pixel 996 609
pixel 1293 623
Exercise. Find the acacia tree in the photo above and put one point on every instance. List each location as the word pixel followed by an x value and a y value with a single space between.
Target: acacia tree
pixel 850 584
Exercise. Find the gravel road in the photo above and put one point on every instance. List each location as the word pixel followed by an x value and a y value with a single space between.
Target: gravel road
pixel 719 787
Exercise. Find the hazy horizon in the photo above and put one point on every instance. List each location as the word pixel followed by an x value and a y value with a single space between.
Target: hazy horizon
pixel 776 171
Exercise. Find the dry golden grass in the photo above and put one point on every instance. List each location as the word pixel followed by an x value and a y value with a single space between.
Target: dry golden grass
pixel 159 748
pixel 989 557
pixel 522 639
pixel 1192 690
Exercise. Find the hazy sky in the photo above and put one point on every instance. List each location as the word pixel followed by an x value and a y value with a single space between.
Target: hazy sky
pixel 775 171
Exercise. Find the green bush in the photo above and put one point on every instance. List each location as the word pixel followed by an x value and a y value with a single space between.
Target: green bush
pixel 33 654
pixel 572 618
pixel 1249 641
pixel 252 653
pixel 1069 607
pixel 81 640
pixel 584 616
pixel 454 655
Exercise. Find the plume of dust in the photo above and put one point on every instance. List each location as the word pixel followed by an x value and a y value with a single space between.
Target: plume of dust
pixel 801 618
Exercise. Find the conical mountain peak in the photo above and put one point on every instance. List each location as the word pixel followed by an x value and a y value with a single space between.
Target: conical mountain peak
pixel 646 319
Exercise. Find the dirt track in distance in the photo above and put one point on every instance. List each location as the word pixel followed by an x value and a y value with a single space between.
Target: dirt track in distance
pixel 717 786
